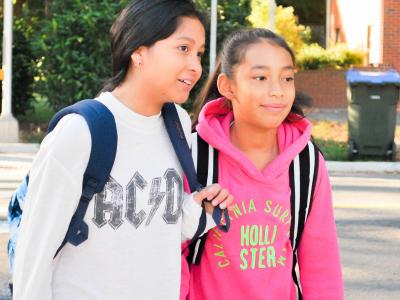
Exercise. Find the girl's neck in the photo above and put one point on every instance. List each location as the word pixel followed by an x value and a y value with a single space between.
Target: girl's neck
pixel 133 95
pixel 258 144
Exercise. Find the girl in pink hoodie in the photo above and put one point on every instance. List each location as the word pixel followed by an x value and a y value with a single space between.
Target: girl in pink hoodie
pixel 258 129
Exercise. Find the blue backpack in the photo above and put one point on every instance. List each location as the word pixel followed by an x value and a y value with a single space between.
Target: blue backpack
pixel 104 137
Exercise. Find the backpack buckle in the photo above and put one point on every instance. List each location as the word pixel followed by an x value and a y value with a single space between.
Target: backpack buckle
pixel 78 233
pixel 89 189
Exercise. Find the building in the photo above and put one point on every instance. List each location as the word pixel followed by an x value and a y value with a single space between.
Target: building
pixel 369 25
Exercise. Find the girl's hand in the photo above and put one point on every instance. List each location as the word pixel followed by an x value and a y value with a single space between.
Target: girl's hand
pixel 214 195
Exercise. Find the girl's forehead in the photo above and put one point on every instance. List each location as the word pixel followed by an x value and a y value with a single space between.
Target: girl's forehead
pixel 266 55
pixel 188 25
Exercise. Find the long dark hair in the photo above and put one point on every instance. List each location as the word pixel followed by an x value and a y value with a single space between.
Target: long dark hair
pixel 143 23
pixel 232 54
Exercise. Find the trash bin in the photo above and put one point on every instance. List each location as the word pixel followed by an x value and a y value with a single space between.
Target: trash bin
pixel 372 99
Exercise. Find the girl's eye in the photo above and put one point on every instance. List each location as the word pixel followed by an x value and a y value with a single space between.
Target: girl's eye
pixel 288 79
pixel 200 55
pixel 260 78
pixel 184 48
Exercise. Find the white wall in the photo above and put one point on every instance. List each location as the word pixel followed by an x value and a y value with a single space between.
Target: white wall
pixel 357 15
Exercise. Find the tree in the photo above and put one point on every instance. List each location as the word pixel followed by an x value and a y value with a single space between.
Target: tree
pixel 286 23
pixel 309 12
pixel 74 47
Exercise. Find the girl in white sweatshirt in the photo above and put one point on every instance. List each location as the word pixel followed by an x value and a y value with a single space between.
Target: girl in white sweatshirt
pixel 156 56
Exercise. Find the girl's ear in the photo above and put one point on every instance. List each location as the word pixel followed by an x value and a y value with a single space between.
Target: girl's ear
pixel 225 86
pixel 137 57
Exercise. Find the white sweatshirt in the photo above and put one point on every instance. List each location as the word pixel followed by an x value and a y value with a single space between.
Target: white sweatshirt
pixel 135 224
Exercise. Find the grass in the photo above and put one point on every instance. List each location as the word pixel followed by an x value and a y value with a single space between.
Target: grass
pixel 332 139
pixel 33 125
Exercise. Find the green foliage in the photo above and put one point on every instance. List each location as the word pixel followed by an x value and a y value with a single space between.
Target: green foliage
pixel 74 48
pixel 23 69
pixel 309 12
pixel 333 150
pixel 286 23
pixel 313 57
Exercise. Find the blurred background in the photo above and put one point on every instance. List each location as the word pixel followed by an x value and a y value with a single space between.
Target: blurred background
pixel 61 54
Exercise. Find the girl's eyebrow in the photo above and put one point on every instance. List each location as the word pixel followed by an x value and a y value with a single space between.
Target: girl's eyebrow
pixel 190 40
pixel 263 67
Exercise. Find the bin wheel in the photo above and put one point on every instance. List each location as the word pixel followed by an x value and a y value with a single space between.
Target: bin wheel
pixel 352 150
pixel 393 152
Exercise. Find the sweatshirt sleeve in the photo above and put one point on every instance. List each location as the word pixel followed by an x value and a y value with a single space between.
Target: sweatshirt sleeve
pixel 191 217
pixel 54 191
pixel 319 261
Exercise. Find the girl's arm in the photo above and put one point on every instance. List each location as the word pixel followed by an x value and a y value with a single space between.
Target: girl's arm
pixel 215 195
pixel 191 211
pixel 54 190
pixel 319 261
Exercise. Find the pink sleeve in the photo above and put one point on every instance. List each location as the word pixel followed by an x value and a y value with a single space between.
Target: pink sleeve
pixel 186 186
pixel 185 274
pixel 319 260
pixel 185 271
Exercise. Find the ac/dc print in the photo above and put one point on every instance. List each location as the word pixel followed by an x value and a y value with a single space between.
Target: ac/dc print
pixel 109 205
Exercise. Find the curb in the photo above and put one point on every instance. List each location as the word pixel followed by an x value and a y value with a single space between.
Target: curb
pixel 18 148
pixel 363 167
pixel 3 215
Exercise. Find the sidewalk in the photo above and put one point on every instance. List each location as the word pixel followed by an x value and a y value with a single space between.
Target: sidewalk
pixel 16 159
pixel 334 114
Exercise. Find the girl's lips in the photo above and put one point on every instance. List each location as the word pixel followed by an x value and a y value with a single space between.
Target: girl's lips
pixel 186 81
pixel 185 85
pixel 274 107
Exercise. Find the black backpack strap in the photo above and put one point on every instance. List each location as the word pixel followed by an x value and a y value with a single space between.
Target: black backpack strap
pixel 178 140
pixel 303 173
pixel 104 138
pixel 206 160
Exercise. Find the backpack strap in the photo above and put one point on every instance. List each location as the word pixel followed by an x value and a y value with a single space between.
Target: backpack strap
pixel 104 138
pixel 303 173
pixel 206 160
pixel 178 139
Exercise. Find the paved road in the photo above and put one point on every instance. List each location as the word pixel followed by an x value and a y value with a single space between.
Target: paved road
pixel 367 210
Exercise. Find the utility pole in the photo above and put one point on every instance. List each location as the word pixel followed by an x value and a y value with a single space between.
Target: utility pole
pixel 8 124
pixel 272 6
pixel 328 23
pixel 213 35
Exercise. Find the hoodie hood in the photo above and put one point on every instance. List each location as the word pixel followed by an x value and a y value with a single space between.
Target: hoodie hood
pixel 214 127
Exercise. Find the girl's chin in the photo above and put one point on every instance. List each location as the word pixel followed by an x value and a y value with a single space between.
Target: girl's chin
pixel 180 99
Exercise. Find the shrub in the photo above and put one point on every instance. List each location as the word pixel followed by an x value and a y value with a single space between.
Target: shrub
pixel 312 57
pixel 75 50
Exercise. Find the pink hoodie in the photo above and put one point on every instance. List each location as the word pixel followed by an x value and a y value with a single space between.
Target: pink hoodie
pixel 254 259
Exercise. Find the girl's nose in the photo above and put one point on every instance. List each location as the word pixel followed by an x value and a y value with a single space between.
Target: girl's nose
pixel 275 88
pixel 195 65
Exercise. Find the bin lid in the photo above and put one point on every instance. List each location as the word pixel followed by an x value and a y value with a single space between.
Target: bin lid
pixel 387 77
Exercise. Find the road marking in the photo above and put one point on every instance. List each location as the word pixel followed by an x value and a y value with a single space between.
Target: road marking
pixel 369 206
